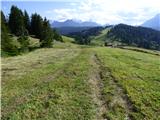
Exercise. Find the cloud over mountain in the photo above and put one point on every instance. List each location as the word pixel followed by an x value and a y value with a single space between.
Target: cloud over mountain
pixel 107 11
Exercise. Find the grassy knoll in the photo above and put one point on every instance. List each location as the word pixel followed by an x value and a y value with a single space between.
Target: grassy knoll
pixel 131 87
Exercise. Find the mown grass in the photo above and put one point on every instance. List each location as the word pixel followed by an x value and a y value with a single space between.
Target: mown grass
pixel 22 73
pixel 54 83
pixel 138 74
pixel 40 95
pixel 154 52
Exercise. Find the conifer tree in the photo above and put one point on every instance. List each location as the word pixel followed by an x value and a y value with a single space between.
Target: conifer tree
pixel 6 42
pixel 57 36
pixel 47 35
pixel 16 21
pixel 26 21
pixel 36 25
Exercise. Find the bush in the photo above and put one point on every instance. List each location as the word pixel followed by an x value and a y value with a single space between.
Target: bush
pixel 24 41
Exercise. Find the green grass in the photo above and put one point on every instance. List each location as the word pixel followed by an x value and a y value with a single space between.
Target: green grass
pixel 21 73
pixel 138 74
pixel 154 52
pixel 54 83
pixel 34 42
pixel 100 39
pixel 56 89
pixel 67 39
pixel 67 43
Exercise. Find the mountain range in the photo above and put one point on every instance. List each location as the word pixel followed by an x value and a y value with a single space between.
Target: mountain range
pixel 70 26
pixel 153 23
pixel 73 23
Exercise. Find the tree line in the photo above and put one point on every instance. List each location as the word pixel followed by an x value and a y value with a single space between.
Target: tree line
pixel 20 24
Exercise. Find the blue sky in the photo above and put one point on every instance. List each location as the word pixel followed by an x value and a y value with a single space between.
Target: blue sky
pixel 100 11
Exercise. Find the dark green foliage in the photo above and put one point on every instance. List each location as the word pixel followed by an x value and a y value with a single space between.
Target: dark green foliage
pixel 16 21
pixel 3 19
pixel 20 25
pixel 26 21
pixel 36 25
pixel 7 45
pixel 47 34
pixel 83 37
pixel 24 41
pixel 68 30
pixel 57 36
pixel 136 36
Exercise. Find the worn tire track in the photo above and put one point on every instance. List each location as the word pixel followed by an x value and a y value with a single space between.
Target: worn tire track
pixel 120 93
pixel 96 87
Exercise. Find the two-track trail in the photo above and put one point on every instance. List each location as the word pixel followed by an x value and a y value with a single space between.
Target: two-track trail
pixel 96 87
pixel 99 74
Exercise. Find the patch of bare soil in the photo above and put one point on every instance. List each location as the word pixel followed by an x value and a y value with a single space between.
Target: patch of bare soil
pixel 96 86
pixel 119 97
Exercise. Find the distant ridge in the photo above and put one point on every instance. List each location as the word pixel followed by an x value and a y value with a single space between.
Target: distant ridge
pixel 135 36
pixel 153 23
pixel 72 23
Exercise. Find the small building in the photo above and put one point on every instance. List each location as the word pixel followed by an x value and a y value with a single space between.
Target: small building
pixel 108 44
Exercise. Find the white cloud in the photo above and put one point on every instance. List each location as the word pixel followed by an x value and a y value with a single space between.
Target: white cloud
pixel 110 11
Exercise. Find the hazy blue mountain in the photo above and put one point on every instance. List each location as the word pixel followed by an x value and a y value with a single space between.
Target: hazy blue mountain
pixel 72 23
pixel 153 23
pixel 67 30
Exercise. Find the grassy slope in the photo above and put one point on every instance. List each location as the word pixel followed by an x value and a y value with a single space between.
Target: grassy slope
pixel 46 83
pixel 99 40
pixel 154 52
pixel 34 42
pixel 138 76
pixel 55 83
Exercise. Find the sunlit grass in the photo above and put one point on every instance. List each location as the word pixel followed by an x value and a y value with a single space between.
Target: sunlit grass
pixel 139 75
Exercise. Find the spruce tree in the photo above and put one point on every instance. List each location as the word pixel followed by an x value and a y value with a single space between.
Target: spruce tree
pixel 36 25
pixel 47 35
pixel 24 41
pixel 7 44
pixel 26 21
pixel 16 21
pixel 3 19
pixel 57 36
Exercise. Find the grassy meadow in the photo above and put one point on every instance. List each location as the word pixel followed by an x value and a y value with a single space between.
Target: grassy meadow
pixel 73 82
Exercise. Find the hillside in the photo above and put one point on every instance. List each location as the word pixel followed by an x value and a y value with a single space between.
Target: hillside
pixel 85 36
pixel 153 23
pixel 135 36
pixel 68 30
pixel 109 83
pixel 99 40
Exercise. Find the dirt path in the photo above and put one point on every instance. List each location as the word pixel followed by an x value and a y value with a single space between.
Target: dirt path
pixel 96 86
